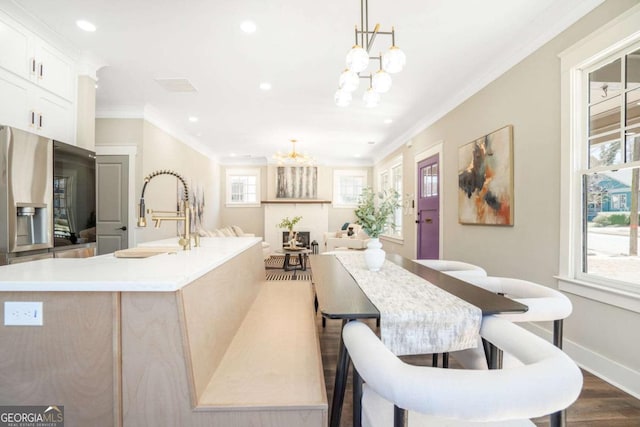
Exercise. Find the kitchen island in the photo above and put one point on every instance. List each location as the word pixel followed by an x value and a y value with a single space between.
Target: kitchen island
pixel 137 341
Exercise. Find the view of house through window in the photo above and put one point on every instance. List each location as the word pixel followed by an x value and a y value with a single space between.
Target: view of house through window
pixel 610 177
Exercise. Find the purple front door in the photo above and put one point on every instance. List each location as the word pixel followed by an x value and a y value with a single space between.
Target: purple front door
pixel 428 209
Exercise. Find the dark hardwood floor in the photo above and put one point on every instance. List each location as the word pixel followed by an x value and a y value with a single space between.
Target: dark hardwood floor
pixel 599 404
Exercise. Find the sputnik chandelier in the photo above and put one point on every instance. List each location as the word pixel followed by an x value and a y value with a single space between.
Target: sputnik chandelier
pixel 293 157
pixel 358 59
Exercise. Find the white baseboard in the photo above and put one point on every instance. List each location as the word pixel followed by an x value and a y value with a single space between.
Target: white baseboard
pixel 614 373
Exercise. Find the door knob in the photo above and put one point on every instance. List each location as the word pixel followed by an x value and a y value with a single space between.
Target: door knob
pixel 123 228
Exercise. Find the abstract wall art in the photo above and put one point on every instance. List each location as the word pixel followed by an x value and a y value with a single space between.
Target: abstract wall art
pixel 297 182
pixel 485 179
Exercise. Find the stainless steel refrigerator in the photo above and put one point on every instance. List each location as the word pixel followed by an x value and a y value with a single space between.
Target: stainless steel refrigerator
pixel 26 190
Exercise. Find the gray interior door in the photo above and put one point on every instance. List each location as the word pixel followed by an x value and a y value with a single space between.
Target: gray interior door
pixel 112 174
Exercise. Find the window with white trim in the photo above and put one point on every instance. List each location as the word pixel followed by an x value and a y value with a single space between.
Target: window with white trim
pixel 347 187
pixel 384 181
pixel 396 181
pixel 392 179
pixel 608 170
pixel 243 187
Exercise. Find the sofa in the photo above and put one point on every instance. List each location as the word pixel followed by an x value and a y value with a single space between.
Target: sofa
pixel 341 240
pixel 235 231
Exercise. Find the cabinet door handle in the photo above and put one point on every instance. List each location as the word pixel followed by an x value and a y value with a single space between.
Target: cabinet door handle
pixel 33 118
pixel 123 228
pixel 33 65
pixel 41 73
pixel 39 121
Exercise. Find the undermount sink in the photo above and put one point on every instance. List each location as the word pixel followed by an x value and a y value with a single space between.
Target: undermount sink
pixel 144 252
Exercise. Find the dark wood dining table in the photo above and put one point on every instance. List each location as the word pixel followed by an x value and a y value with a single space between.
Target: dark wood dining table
pixel 340 297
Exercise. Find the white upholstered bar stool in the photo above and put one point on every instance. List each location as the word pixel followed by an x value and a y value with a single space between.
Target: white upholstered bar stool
pixel 450 266
pixel 547 381
pixel 545 304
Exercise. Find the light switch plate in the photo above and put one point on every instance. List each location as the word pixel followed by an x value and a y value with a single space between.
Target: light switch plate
pixel 22 313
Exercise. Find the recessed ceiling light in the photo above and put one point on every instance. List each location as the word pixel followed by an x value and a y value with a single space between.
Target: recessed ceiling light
pixel 248 27
pixel 387 121
pixel 199 134
pixel 232 154
pixel 193 119
pixel 86 25
pixel 96 85
pixel 357 156
pixel 265 86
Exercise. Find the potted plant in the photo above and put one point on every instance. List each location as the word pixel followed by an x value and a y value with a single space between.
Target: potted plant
pixel 289 224
pixel 375 213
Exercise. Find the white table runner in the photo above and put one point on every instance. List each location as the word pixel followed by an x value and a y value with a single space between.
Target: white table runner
pixel 416 317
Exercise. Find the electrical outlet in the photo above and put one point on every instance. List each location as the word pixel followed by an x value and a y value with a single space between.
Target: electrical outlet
pixel 22 313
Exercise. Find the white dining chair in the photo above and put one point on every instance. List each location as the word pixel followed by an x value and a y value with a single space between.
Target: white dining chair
pixel 545 304
pixel 450 266
pixel 547 381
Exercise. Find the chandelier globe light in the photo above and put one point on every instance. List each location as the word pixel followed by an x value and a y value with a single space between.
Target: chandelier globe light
pixel 359 59
pixel 394 60
pixel 381 81
pixel 371 98
pixel 349 81
pixel 293 157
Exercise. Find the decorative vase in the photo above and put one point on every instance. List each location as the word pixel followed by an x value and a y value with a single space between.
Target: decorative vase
pixel 293 239
pixel 374 255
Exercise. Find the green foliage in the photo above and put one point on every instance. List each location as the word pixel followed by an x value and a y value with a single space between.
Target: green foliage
pixel 619 219
pixel 601 220
pixel 289 223
pixel 605 219
pixel 375 210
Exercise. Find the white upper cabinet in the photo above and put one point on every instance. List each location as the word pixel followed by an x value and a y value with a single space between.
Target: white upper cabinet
pixel 15 45
pixel 15 101
pixel 37 84
pixel 54 71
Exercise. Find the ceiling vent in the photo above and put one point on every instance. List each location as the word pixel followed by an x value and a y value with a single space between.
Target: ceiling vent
pixel 176 85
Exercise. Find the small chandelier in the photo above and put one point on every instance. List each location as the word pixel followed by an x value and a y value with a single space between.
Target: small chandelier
pixel 358 59
pixel 293 157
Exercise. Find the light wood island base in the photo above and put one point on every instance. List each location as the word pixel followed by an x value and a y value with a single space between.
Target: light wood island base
pixel 72 360
pixel 227 349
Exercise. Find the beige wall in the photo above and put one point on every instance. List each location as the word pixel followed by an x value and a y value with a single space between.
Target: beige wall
pixel 527 97
pixel 157 150
pixel 119 132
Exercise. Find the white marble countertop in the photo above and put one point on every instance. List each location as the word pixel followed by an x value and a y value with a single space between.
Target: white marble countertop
pixel 106 273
